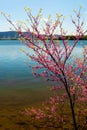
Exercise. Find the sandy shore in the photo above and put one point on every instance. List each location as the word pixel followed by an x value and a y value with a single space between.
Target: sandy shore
pixel 14 99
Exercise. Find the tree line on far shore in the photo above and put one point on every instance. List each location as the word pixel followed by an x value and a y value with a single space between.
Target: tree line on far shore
pixel 12 35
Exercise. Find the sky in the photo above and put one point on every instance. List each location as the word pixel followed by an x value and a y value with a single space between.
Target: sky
pixel 16 9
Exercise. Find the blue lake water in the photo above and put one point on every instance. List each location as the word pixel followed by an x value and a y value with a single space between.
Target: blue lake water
pixel 13 67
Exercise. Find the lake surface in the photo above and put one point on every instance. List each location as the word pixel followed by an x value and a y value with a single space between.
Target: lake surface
pixel 14 63
pixel 19 89
pixel 14 70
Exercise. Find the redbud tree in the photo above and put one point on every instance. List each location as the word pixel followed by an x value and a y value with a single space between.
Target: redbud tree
pixel 52 56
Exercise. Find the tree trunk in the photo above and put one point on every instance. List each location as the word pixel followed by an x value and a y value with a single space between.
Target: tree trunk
pixel 73 113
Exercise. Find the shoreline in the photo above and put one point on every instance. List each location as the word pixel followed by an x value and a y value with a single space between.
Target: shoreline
pixel 14 100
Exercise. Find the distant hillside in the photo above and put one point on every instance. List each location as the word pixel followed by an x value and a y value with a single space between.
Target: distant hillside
pixel 8 35
pixel 13 35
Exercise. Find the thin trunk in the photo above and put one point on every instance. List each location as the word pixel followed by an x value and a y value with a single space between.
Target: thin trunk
pixel 73 113
pixel 71 104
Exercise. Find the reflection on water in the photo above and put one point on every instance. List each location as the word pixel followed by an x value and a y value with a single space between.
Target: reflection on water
pixel 12 65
